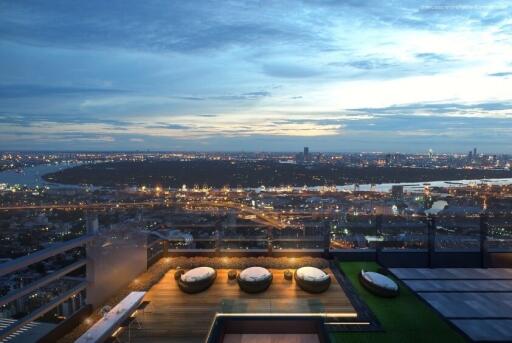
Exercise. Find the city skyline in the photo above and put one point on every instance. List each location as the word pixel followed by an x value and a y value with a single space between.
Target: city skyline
pixel 428 152
pixel 469 154
pixel 255 171
pixel 256 76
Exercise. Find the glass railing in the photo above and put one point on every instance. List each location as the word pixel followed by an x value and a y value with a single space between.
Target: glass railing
pixel 226 232
pixel 499 233
pixel 449 233
pixel 275 306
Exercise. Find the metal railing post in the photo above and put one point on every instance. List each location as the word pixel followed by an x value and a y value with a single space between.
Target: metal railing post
pixel 378 233
pixel 483 240
pixel 218 239
pixel 165 248
pixel 270 240
pixel 327 238
pixel 431 236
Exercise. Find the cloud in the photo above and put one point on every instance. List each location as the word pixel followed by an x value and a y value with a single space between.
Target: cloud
pixel 460 110
pixel 173 27
pixel 168 126
pixel 431 57
pixel 191 98
pixel 243 96
pixel 501 74
pixel 371 63
pixel 33 119
pixel 289 70
pixel 257 94
pixel 253 74
pixel 22 91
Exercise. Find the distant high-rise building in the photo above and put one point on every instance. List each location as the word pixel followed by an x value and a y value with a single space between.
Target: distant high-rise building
pixel 92 223
pixel 397 192
pixel 306 153
pixel 474 152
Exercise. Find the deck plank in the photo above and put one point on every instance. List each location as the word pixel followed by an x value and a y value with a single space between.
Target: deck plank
pixel 174 316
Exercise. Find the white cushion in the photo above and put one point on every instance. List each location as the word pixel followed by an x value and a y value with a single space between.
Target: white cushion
pixel 311 274
pixel 198 274
pixel 255 274
pixel 380 280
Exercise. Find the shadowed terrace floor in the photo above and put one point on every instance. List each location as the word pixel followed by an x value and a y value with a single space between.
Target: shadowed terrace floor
pixel 174 316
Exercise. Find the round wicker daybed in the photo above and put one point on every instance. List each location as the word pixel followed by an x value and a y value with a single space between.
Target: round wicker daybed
pixel 197 280
pixel 312 280
pixel 254 279
pixel 379 284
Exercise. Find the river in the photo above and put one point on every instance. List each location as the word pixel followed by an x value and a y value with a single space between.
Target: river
pixel 32 177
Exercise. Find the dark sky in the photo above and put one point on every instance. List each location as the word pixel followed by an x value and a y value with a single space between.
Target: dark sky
pixel 256 75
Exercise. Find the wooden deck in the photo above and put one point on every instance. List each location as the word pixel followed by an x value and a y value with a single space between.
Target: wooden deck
pixel 174 316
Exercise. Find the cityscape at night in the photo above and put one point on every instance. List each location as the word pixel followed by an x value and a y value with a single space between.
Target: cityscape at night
pixel 255 171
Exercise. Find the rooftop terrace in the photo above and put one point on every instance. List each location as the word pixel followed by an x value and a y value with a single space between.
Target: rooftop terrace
pixel 179 317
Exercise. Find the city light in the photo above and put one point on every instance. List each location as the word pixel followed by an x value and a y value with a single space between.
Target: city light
pixel 221 171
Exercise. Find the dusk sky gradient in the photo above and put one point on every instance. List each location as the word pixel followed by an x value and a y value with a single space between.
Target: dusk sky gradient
pixel 256 75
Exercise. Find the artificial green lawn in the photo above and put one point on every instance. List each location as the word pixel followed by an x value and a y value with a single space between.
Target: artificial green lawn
pixel 404 319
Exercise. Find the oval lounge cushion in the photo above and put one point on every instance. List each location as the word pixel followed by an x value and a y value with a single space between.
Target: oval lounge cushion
pixel 198 274
pixel 311 274
pixel 254 274
pixel 380 280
